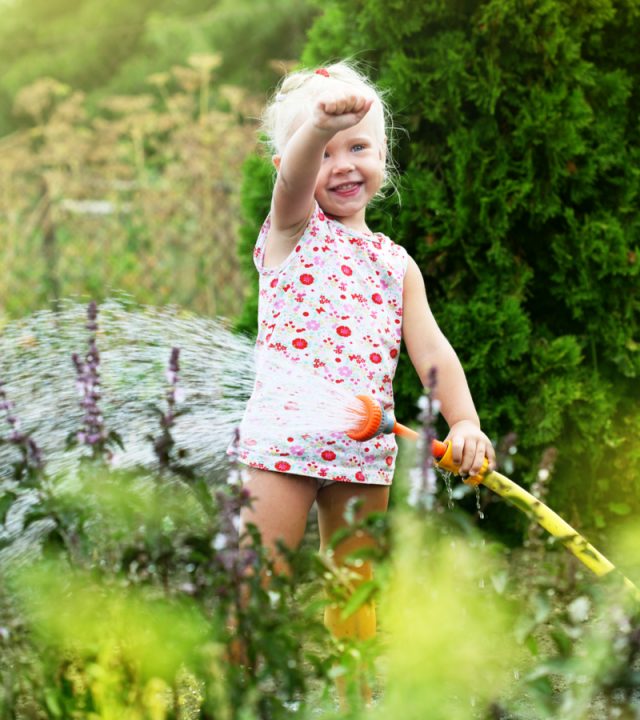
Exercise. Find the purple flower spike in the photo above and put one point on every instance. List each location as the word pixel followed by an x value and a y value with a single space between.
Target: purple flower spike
pixel 31 462
pixel 88 382
pixel 163 445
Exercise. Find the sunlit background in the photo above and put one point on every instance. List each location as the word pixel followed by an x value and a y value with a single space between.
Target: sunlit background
pixel 123 127
pixel 131 173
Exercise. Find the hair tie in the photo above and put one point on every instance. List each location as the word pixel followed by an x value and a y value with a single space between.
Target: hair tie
pixel 322 71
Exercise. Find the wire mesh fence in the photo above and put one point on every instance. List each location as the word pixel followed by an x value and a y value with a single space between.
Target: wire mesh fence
pixel 142 196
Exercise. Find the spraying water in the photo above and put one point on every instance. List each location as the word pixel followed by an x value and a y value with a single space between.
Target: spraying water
pixel 216 379
pixel 299 401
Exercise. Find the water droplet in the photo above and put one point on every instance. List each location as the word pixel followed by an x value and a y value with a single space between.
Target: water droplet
pixel 480 513
pixel 516 675
pixel 447 482
pixel 481 583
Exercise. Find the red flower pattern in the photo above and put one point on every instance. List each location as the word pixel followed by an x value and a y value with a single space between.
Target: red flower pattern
pixel 344 275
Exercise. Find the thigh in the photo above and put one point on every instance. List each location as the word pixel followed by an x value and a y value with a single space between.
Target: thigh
pixel 280 507
pixel 332 501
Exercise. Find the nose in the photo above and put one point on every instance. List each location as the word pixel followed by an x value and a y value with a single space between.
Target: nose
pixel 342 164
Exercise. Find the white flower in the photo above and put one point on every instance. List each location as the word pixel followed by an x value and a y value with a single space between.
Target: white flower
pixel 237 523
pixel 220 542
pixel 579 609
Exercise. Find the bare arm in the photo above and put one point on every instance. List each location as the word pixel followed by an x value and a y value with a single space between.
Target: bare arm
pixel 298 168
pixel 428 347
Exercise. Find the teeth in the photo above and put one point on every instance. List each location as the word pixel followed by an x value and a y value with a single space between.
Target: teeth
pixel 348 186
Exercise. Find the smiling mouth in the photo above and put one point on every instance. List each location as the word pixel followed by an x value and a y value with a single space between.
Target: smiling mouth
pixel 346 188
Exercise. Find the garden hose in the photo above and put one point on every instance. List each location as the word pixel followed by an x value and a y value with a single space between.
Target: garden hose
pixel 531 506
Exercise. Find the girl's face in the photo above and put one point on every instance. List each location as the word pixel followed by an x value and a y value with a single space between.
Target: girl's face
pixel 351 172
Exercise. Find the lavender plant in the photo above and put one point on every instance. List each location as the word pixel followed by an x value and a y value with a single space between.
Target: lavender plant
pixel 164 446
pixel 30 466
pixel 93 433
pixel 29 475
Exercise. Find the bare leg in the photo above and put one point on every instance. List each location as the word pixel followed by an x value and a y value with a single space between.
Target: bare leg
pixel 280 507
pixel 331 506
pixel 281 504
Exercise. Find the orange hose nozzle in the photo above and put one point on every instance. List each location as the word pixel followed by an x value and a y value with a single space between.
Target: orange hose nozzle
pixel 369 425
pixel 374 420
pixel 438 449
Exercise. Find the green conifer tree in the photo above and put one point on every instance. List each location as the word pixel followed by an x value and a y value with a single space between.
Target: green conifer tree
pixel 520 204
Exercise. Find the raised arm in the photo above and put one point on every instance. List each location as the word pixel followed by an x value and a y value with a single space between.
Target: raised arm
pixel 298 167
pixel 428 347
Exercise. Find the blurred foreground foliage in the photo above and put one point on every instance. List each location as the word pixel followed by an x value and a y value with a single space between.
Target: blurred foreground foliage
pixel 143 598
pixel 519 147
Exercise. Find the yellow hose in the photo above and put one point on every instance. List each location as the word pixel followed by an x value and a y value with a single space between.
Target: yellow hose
pixel 544 516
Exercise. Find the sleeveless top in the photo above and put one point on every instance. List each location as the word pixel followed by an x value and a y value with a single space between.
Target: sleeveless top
pixel 334 307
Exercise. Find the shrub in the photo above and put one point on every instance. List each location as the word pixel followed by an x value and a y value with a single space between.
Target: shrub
pixel 520 205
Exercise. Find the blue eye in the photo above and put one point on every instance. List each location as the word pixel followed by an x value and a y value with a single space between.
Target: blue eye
pixel 355 147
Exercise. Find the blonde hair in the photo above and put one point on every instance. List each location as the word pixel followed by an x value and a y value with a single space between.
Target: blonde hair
pixel 296 93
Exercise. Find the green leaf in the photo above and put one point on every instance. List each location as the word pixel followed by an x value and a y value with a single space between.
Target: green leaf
pixel 619 508
pixel 562 642
pixel 543 607
pixel 499 581
pixel 358 599
pixel 51 700
pixel 34 516
pixel 6 501
pixel 532 645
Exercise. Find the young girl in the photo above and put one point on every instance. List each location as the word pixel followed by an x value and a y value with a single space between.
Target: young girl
pixel 337 299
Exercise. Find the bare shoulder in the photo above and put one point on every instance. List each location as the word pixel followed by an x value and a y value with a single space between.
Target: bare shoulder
pixel 420 331
pixel 413 281
pixel 281 241
pixel 416 313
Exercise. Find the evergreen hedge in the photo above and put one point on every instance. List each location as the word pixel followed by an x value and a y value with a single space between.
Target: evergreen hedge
pixel 520 204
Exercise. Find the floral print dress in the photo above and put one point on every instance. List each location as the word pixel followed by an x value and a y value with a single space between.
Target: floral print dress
pixel 334 307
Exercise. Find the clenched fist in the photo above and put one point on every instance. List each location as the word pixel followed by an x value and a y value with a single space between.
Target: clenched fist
pixel 337 110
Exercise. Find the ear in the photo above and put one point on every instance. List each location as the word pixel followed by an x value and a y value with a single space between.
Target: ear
pixel 276 161
pixel 383 151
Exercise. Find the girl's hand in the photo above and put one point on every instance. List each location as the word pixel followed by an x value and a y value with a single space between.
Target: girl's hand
pixel 337 110
pixel 469 447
